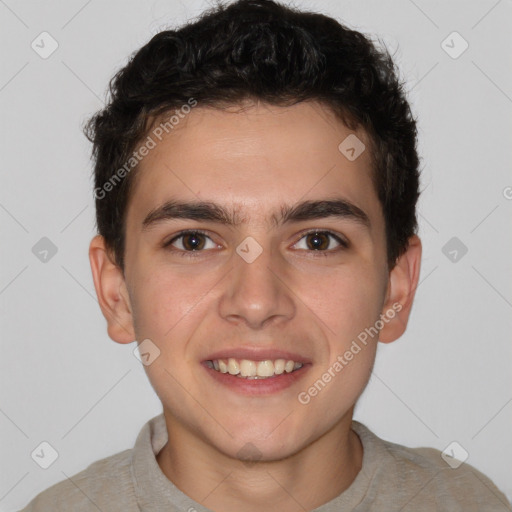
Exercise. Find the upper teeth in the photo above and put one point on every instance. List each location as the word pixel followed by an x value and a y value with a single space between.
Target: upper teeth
pixel 254 369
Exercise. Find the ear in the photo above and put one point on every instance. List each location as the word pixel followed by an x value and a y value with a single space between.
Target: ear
pixel 112 293
pixel 402 284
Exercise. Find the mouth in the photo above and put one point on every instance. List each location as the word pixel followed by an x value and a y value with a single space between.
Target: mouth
pixel 254 370
pixel 254 373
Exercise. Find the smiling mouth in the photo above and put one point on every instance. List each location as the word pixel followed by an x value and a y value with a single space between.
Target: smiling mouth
pixel 248 369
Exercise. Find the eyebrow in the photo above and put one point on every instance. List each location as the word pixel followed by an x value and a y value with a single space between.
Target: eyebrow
pixel 213 212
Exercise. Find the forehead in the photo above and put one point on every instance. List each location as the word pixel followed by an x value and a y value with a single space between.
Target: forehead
pixel 255 160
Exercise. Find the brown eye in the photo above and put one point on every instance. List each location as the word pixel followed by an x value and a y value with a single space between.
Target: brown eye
pixel 191 241
pixel 317 241
pixel 321 241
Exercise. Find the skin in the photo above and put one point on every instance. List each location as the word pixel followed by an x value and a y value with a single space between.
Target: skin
pixel 256 159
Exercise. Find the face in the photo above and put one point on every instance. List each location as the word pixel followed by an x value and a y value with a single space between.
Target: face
pixel 285 262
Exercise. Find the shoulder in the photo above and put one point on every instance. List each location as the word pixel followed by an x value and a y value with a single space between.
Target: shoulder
pixel 104 485
pixel 423 476
pixel 454 484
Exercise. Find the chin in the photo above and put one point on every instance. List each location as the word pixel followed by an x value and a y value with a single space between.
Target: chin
pixel 264 443
pixel 252 451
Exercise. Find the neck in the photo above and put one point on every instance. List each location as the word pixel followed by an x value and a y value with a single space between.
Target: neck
pixel 303 481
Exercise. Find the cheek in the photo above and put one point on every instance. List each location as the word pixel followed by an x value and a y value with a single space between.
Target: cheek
pixel 162 301
pixel 346 300
pixel 171 306
pixel 348 307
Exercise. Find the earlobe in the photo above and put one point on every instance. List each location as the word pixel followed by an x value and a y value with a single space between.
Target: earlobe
pixel 403 281
pixel 111 291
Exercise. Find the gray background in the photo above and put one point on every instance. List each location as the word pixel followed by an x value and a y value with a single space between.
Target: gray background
pixel 65 382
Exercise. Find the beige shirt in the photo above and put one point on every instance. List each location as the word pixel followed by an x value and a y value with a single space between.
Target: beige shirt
pixel 392 478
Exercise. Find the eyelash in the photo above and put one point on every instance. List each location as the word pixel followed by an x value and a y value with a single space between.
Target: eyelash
pixel 316 253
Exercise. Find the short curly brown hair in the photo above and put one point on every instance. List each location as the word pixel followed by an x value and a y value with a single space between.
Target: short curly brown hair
pixel 259 50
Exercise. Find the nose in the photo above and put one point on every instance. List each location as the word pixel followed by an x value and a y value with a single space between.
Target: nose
pixel 257 293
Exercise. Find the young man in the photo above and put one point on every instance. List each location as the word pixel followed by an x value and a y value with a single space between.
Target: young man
pixel 256 180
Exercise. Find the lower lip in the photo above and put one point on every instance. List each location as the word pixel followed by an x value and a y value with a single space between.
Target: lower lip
pixel 256 387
